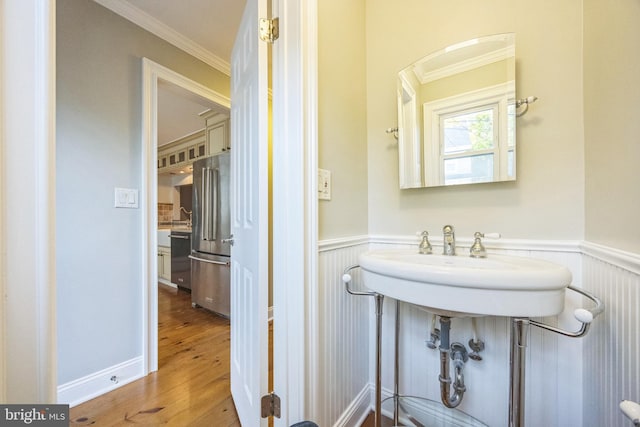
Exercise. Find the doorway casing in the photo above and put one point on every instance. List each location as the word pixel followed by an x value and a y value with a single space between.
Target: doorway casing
pixel 295 273
pixel 151 74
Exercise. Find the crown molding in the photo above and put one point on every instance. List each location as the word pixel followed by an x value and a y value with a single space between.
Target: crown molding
pixel 462 66
pixel 168 34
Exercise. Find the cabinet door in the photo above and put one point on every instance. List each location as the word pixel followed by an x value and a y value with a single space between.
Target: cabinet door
pixel 167 264
pixel 217 138
pixel 160 264
pixel 164 263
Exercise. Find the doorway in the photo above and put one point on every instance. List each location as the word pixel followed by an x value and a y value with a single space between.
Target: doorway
pixel 156 78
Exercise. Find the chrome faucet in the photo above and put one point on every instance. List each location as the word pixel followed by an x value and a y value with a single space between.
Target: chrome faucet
pixel 190 213
pixel 449 240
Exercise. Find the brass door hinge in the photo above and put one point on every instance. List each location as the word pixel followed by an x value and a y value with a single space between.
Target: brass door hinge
pixel 270 405
pixel 269 30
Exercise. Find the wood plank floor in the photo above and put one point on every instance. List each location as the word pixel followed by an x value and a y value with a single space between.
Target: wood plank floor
pixel 191 387
pixel 370 421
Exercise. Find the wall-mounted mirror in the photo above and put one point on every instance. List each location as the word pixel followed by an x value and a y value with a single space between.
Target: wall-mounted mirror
pixel 456 115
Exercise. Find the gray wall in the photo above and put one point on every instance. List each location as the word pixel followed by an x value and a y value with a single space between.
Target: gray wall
pixel 99 74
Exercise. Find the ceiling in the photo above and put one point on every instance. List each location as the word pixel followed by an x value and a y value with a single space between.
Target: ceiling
pixel 179 112
pixel 206 29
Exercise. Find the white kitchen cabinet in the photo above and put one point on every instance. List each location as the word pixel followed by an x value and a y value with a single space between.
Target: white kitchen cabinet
pixel 217 134
pixel 182 152
pixel 164 264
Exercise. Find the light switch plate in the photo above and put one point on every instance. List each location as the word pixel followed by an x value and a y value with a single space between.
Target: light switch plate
pixel 126 198
pixel 324 184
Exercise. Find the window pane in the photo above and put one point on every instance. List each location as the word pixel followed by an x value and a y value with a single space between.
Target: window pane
pixel 510 159
pixel 511 125
pixel 469 131
pixel 466 170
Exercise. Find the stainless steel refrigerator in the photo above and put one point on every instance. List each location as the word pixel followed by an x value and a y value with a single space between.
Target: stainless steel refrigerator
pixel 211 231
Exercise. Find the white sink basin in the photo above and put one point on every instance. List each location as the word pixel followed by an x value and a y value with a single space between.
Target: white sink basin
pixel 457 286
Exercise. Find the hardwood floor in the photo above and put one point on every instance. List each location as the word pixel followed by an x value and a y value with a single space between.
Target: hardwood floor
pixel 191 387
pixel 370 421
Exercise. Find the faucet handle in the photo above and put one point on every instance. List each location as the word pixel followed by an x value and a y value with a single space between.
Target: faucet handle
pixel 425 246
pixel 490 235
pixel 478 250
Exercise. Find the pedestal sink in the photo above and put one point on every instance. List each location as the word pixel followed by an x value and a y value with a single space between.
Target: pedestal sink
pixel 457 286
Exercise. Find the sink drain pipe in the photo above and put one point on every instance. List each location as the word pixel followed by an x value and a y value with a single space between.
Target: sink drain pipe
pixel 458 354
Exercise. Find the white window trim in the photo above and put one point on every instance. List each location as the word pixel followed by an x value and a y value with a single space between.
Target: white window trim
pixel 501 94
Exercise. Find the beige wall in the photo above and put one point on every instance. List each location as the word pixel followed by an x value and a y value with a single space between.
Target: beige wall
pixel 547 200
pixel 612 126
pixel 342 134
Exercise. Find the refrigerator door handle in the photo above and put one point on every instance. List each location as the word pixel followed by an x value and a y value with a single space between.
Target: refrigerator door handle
pixel 215 205
pixel 208 261
pixel 205 205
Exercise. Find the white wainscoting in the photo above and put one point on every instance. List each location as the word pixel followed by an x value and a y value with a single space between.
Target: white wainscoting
pixel 553 370
pixel 568 381
pixel 344 337
pixel 612 347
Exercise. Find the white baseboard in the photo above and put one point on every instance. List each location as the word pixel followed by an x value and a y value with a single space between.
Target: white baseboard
pixel 167 283
pixel 86 388
pixel 358 410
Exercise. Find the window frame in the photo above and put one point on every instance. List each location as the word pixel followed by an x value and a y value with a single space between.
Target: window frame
pixel 500 96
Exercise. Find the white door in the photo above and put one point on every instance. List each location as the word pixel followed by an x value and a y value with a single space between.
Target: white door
pixel 249 223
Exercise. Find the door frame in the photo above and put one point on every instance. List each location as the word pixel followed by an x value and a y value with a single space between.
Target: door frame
pixel 296 59
pixel 296 349
pixel 152 72
pixel 28 359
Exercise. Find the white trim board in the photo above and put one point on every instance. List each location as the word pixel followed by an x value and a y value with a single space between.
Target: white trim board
pixel 28 342
pixel 151 74
pixel 626 260
pixel 358 409
pixel 93 385
pixel 295 335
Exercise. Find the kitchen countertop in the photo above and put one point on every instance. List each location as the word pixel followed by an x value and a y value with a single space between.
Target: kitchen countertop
pixel 181 229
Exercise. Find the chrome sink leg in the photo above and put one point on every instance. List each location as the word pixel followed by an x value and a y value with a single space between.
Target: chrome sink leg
pixel 346 278
pixel 396 370
pixel 378 415
pixel 517 360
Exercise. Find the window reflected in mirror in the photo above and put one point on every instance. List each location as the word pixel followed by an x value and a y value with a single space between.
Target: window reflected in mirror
pixel 456 115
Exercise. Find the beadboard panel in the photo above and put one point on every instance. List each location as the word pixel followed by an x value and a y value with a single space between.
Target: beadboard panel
pixel 612 347
pixel 568 381
pixel 344 335
pixel 553 370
